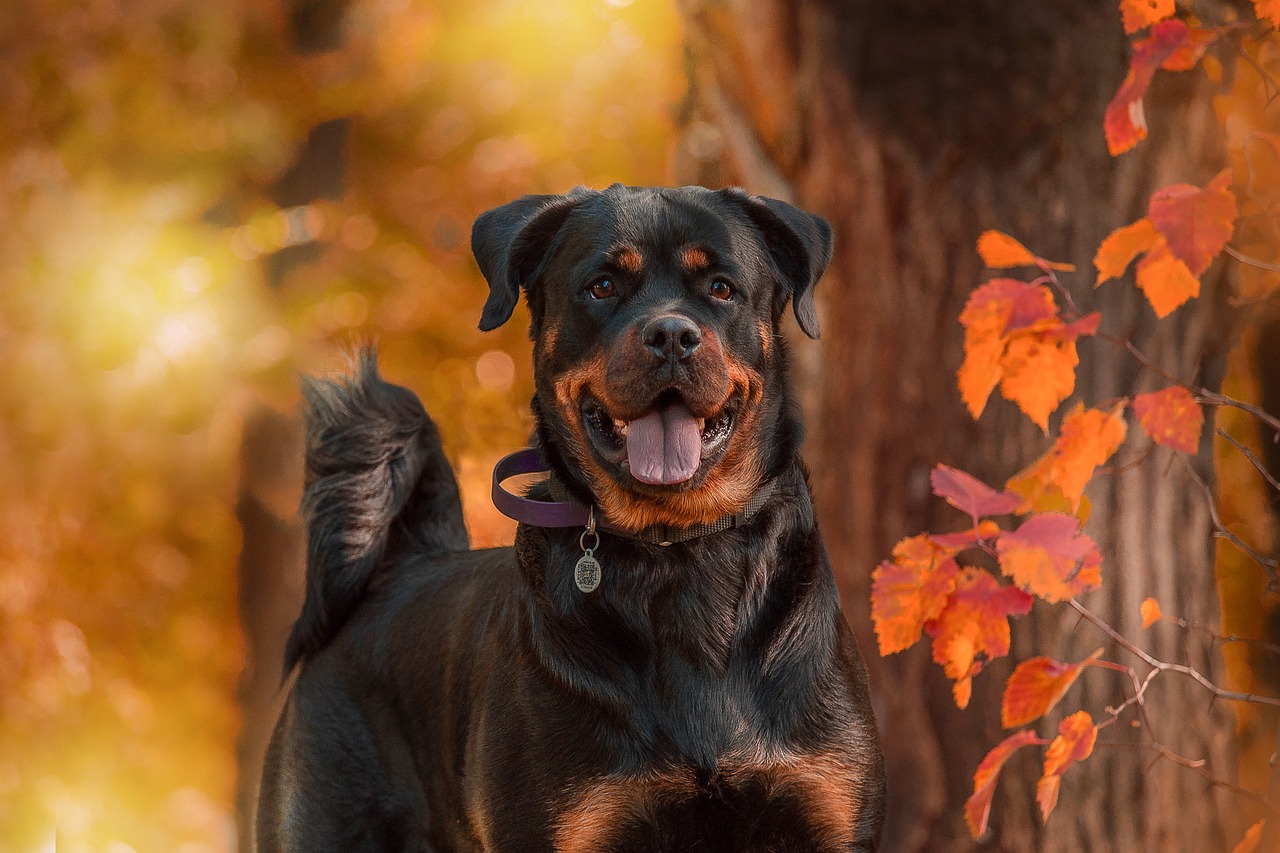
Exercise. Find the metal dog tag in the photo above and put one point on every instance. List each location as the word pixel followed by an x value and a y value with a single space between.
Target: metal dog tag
pixel 587 573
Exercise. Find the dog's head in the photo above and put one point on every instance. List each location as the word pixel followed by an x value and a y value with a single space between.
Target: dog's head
pixel 658 362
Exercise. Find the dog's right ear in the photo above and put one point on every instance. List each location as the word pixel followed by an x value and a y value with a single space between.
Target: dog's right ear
pixel 512 244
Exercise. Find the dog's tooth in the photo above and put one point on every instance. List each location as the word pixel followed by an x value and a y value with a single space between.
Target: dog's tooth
pixel 702 424
pixel 620 427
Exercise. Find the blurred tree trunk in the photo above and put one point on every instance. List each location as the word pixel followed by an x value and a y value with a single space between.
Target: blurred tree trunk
pixel 271 575
pixel 913 126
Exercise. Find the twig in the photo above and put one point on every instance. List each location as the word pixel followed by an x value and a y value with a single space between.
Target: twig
pixel 1220 531
pixel 1251 261
pixel 1165 666
pixel 1213 398
pixel 1249 455
pixel 1198 765
pixel 1220 638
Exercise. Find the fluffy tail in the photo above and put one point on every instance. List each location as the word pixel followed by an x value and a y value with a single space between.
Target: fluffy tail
pixel 377 484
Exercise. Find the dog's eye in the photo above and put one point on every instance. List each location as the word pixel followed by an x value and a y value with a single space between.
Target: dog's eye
pixel 602 289
pixel 721 289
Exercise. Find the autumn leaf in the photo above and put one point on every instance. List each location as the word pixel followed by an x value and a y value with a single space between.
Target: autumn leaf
pixel 1049 557
pixel 998 250
pixel 973 627
pixel 1014 338
pixel 1076 737
pixel 1165 280
pixel 1185 228
pixel 1253 836
pixel 1171 45
pixel 1120 248
pixel 910 590
pixel 1151 614
pixel 1268 10
pixel 969 494
pixel 1195 222
pixel 986 318
pixel 1036 686
pixel 1087 439
pixel 1171 417
pixel 1140 14
pixel 977 809
pixel 1038 373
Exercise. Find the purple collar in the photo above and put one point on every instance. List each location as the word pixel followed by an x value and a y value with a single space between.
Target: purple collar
pixel 570 513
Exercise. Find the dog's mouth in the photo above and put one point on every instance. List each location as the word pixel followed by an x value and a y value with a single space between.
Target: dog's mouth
pixel 667 445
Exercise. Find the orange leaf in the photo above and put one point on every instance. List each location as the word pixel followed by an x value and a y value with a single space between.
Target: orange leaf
pixel 909 591
pixel 1252 837
pixel 1165 280
pixel 987 530
pixel 1087 439
pixel 1268 10
pixel 1124 123
pixel 1171 417
pixel 974 626
pixel 1049 557
pixel 1140 14
pixel 1036 686
pixel 994 309
pixel 1076 737
pixel 1000 250
pixel 1120 248
pixel 1039 372
pixel 977 809
pixel 1185 56
pixel 1195 222
pixel 1150 612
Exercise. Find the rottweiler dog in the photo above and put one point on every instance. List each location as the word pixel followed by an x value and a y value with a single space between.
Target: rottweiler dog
pixel 671 673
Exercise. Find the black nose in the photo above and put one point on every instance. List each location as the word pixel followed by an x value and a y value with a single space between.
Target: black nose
pixel 671 337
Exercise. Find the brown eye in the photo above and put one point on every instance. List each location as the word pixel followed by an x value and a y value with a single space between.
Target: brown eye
pixel 602 289
pixel 721 289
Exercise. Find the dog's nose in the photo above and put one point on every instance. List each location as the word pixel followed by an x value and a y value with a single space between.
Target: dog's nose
pixel 671 337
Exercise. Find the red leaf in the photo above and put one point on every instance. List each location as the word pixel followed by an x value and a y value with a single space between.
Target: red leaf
pixel 1124 123
pixel 1049 557
pixel 973 627
pixel 969 494
pixel 977 809
pixel 1171 417
pixel 1196 222
pixel 1076 737
pixel 1186 55
pixel 1036 686
pixel 909 591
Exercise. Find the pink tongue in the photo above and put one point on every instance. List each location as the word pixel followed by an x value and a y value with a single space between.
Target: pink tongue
pixel 664 447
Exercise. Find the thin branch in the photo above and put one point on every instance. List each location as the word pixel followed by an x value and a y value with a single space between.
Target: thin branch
pixel 1213 398
pixel 1198 765
pixel 1268 565
pixel 1251 261
pixel 1165 666
pixel 1217 638
pixel 1262 469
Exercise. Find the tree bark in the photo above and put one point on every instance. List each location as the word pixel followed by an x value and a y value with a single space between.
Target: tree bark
pixel 913 126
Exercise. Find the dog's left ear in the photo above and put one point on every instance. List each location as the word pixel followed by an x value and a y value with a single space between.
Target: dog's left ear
pixel 512 244
pixel 800 246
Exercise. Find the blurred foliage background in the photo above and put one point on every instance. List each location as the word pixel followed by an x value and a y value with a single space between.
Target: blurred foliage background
pixel 199 202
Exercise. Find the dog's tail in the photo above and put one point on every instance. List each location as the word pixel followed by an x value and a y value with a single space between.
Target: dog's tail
pixel 377 483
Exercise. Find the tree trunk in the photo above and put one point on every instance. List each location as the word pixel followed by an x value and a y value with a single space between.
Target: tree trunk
pixel 913 126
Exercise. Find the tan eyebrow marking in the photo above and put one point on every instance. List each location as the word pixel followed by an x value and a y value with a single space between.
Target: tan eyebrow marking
pixel 628 258
pixel 694 258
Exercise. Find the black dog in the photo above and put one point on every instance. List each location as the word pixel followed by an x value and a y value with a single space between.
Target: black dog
pixel 696 686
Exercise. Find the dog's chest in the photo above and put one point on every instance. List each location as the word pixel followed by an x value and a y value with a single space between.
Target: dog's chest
pixel 805 803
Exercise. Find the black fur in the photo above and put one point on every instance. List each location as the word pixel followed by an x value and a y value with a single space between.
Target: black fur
pixel 707 697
